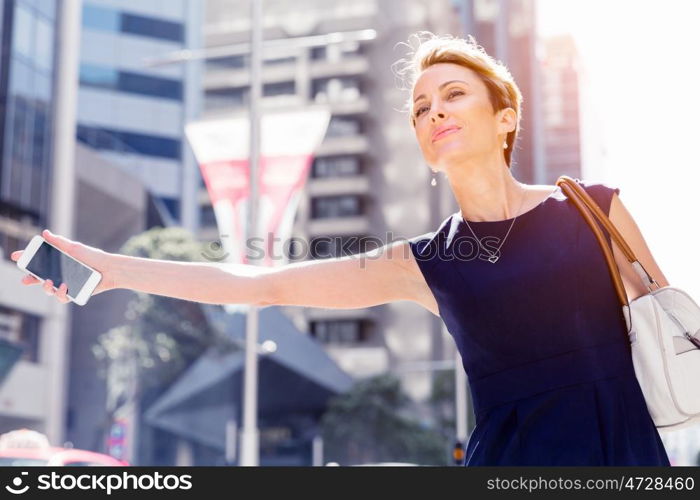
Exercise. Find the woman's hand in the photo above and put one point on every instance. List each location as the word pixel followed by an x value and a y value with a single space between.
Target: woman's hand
pixel 93 257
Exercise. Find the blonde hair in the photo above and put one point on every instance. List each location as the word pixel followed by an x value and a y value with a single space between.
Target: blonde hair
pixel 432 49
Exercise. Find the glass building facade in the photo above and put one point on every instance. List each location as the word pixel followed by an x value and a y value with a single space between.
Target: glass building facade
pixel 27 74
pixel 117 91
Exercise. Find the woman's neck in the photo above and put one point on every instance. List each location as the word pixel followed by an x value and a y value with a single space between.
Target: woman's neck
pixel 486 192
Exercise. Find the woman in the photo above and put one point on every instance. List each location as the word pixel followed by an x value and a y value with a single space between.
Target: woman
pixel 517 276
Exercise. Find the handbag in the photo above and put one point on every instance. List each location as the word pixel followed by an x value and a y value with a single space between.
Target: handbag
pixel 663 327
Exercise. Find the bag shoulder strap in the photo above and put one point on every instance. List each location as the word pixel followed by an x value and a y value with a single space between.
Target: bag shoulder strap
pixel 590 209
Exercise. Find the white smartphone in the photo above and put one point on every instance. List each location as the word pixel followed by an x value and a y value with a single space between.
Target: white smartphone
pixel 46 262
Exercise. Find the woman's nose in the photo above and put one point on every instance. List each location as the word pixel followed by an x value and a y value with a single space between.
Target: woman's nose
pixel 439 114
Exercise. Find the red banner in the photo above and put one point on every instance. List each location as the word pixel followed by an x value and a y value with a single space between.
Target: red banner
pixel 288 141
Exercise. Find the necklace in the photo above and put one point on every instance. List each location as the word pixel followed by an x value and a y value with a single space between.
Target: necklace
pixel 493 257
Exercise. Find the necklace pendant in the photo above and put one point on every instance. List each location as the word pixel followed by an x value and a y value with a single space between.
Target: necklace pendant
pixel 493 259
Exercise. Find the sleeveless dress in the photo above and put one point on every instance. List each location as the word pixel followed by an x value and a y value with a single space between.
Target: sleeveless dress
pixel 542 338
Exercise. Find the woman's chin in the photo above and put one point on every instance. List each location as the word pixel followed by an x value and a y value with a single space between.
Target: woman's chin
pixel 449 155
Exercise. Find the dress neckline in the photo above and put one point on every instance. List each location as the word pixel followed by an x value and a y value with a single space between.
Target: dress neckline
pixel 533 209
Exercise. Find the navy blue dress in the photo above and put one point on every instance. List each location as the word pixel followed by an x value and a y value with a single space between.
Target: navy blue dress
pixel 542 338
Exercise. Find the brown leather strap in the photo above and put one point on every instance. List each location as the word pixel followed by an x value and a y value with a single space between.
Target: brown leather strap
pixel 572 190
pixel 589 208
pixel 602 217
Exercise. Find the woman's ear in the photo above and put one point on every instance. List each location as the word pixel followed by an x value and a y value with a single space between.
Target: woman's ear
pixel 507 120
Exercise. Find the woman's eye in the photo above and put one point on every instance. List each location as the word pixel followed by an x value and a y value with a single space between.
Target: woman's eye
pixel 450 95
pixel 420 110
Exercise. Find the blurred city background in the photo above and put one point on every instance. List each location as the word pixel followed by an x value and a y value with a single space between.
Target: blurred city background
pixel 95 100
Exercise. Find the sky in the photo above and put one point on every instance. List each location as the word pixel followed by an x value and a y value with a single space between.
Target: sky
pixel 640 76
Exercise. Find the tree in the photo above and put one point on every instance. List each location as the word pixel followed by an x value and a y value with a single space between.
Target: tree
pixel 442 403
pixel 367 425
pixel 162 336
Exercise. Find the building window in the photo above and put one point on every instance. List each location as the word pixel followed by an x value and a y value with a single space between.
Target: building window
pixel 339 89
pixel 150 85
pixel 349 205
pixel 341 331
pixel 16 221
pixel 334 52
pixel 280 60
pixel 105 19
pixel 23 329
pixel 47 7
pixel 228 62
pixel 99 18
pixel 226 98
pixel 336 166
pixel 279 88
pixel 207 217
pixel 23 32
pixel 341 126
pixel 98 76
pixel 129 142
pixel 44 45
pixel 132 83
pixel 318 53
pixel 152 27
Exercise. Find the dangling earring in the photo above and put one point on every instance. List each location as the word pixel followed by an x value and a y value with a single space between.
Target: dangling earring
pixel 433 182
pixel 505 144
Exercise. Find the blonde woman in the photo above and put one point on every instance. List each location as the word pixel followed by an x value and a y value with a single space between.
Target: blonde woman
pixel 515 274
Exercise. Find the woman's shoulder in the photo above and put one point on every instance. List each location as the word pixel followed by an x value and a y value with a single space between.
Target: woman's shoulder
pixel 601 192
pixel 426 246
pixel 442 230
pixel 599 186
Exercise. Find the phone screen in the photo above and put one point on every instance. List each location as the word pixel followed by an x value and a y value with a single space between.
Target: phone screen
pixel 51 264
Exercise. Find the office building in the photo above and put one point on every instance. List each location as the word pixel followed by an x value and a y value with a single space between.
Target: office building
pixel 27 78
pixel 368 179
pixel 133 111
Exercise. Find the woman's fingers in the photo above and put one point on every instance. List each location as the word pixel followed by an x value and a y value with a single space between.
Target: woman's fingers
pixel 29 280
pixel 61 293
pixel 16 255
pixel 60 242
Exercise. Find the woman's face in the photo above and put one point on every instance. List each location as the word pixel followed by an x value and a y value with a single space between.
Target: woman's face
pixel 453 117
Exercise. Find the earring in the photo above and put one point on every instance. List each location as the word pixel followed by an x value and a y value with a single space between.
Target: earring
pixel 505 144
pixel 433 182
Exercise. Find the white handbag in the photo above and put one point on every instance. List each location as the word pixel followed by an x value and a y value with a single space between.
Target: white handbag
pixel 663 327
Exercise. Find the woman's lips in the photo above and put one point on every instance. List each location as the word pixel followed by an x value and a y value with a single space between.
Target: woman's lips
pixel 445 133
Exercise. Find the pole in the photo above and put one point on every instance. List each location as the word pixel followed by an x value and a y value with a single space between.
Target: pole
pixel 460 399
pixel 317 451
pixel 63 204
pixel 250 450
pixel 231 431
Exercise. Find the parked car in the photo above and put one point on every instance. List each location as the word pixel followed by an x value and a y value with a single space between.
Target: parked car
pixel 56 457
pixel 25 447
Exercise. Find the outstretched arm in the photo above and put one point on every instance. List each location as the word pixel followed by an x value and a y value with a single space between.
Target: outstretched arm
pixel 389 273
pixel 384 275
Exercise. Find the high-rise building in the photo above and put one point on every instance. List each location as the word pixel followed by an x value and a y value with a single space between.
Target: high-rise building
pixel 131 116
pixel 368 179
pixel 506 29
pixel 561 107
pixel 134 112
pixel 27 78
